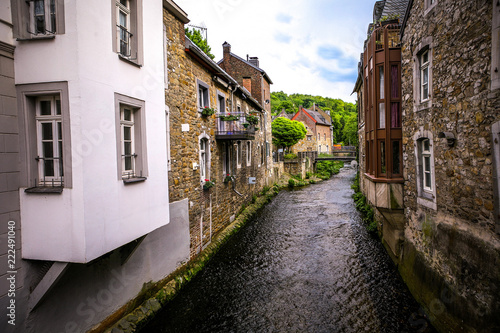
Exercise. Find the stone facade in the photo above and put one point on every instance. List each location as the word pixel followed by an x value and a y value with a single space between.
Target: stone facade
pixel 319 125
pixel 450 224
pixel 213 209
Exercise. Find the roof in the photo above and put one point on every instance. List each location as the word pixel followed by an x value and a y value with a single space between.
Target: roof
pixel 176 10
pixel 318 117
pixel 405 19
pixel 395 8
pixel 250 64
pixel 190 46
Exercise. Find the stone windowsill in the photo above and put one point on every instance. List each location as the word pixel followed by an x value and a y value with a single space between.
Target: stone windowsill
pixel 133 180
pixel 45 190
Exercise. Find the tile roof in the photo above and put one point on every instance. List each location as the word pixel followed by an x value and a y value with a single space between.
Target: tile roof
pixel 318 117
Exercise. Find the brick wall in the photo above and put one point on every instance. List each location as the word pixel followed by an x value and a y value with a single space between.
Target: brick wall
pixel 209 210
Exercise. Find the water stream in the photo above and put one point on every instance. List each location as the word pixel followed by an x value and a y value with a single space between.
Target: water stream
pixel 305 264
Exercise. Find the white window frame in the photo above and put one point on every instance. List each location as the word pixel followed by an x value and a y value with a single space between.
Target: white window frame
pixel 203 95
pixel 139 171
pixel 124 125
pixel 49 13
pixel 249 152
pixel 429 5
pixel 123 30
pixel 421 102
pixel 55 120
pixel 426 195
pixel 262 154
pixel 239 154
pixel 424 72
pixel 205 157
pixel 226 159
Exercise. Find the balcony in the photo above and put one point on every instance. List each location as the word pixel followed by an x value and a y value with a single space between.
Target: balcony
pixel 235 126
pixel 386 36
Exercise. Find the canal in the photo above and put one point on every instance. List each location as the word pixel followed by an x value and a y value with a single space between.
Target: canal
pixel 305 264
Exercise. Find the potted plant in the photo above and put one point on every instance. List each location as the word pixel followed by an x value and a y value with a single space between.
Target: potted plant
pixel 229 117
pixel 228 178
pixel 252 120
pixel 246 125
pixel 207 112
pixel 208 184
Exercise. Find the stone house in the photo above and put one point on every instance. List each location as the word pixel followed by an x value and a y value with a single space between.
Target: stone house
pixel 451 122
pixel 319 124
pixel 438 215
pixel 83 161
pixel 206 148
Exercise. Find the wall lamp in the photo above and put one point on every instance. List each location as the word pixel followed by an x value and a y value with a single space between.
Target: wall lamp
pixel 450 137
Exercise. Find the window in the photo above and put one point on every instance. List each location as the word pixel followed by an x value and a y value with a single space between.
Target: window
pixel 221 102
pixel 495 130
pixel 424 155
pixel 203 95
pixel 49 141
pixel 45 135
pixel 249 153
pixel 309 138
pixel 37 18
pixel 324 136
pixel 239 154
pixel 383 168
pixel 426 165
pixel 396 157
pixel 424 76
pixel 226 159
pixel 319 148
pixel 429 4
pixel 319 136
pixel 262 154
pixel 131 143
pixel 127 18
pixel 204 158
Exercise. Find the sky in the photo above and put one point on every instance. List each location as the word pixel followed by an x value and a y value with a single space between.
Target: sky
pixel 305 46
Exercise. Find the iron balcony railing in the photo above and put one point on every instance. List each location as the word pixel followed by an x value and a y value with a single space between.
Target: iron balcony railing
pixel 234 126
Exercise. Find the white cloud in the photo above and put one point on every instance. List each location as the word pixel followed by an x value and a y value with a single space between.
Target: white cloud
pixel 309 47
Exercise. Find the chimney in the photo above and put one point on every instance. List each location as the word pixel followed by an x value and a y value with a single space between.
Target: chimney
pixel 254 61
pixel 226 47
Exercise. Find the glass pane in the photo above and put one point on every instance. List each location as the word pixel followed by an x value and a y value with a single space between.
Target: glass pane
pixel 426 145
pixel 428 180
pixel 127 147
pixel 127 133
pixel 47 131
pixel 48 149
pixel 123 2
pixel 128 163
pixel 425 76
pixel 427 163
pixel 59 131
pixel 48 167
pixel 123 19
pixel 425 92
pixel 381 110
pixel 396 169
pixel 425 57
pixel 202 145
pixel 45 108
pixel 382 157
pixel 381 83
pixel 394 81
pixel 127 114
pixel 39 7
pixel 58 106
pixel 395 115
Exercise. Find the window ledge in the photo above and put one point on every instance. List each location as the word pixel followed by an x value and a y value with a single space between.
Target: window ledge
pixel 133 180
pixel 45 190
pixel 429 203
pixel 44 37
pixel 423 106
pixel 127 60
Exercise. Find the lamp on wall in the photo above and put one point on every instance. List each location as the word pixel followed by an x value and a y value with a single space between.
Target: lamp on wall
pixel 449 136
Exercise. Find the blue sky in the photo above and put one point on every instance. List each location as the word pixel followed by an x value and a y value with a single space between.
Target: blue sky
pixel 310 47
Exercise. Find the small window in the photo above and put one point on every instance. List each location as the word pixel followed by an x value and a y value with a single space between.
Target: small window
pixel 204 160
pixel 309 138
pixel 424 76
pixel 131 143
pixel 239 154
pixel 249 153
pixel 203 95
pixel 221 103
pixel 426 163
pixel 383 168
pixel 37 18
pixel 50 141
pixel 396 157
pixel 226 159
pixel 127 35
pixel 262 154
pixel 324 136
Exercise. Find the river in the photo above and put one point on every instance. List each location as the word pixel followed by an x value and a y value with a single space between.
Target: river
pixel 304 264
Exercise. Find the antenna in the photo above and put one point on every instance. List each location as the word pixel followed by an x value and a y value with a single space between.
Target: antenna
pixel 202 27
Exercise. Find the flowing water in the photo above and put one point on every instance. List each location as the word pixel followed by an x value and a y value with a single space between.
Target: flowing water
pixel 304 264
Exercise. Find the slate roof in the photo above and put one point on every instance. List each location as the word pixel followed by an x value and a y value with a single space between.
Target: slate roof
pixel 318 117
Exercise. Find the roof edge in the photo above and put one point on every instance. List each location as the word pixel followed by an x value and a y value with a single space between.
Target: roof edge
pixel 176 10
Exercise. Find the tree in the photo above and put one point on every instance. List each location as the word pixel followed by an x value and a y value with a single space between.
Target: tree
pixel 287 132
pixel 197 38
pixel 351 129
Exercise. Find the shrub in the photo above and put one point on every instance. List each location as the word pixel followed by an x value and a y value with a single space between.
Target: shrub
pixel 291 183
pixel 308 174
pixel 254 198
pixel 290 156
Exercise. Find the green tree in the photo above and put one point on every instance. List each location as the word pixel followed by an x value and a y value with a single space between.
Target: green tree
pixel 197 38
pixel 287 132
pixel 351 129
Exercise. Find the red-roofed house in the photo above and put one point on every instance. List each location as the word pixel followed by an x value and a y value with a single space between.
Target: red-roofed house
pixel 320 126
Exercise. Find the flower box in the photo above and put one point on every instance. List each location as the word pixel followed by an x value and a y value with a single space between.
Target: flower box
pixel 207 112
pixel 208 184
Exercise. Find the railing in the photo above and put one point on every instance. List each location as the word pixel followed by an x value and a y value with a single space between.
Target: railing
pixel 236 128
pixel 387 36
pixel 125 35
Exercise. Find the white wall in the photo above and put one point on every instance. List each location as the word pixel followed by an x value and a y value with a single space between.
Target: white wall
pixel 99 213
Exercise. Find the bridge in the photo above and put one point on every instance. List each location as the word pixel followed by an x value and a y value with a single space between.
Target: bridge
pixel 345 154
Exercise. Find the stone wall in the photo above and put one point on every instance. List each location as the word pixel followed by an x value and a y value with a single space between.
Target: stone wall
pixel 213 209
pixel 451 252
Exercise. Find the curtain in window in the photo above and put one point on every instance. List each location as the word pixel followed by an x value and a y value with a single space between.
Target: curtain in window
pixel 394 81
pixel 395 115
